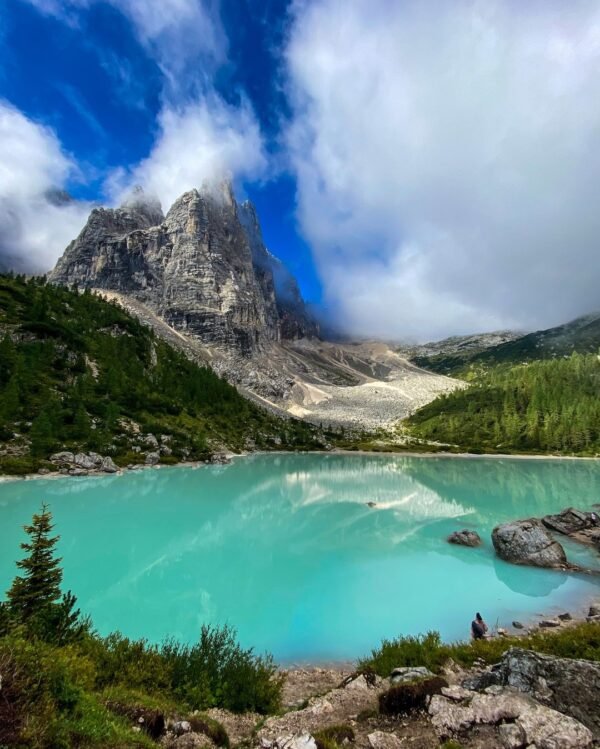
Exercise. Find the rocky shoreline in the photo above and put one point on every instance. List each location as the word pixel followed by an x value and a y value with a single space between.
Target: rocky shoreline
pixel 527 700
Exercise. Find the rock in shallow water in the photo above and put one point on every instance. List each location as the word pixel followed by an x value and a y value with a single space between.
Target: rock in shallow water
pixel 465 538
pixel 528 542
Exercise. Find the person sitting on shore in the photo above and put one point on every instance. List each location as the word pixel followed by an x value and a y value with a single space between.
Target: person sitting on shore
pixel 478 627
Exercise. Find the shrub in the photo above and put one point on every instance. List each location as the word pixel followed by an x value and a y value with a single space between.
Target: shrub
pixel 403 698
pixel 421 650
pixel 217 671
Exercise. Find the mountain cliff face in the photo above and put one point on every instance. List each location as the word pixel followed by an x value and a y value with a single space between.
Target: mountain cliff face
pixel 294 319
pixel 203 268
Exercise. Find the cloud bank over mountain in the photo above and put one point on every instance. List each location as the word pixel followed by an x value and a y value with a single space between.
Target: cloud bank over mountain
pixel 448 161
pixel 36 221
pixel 446 155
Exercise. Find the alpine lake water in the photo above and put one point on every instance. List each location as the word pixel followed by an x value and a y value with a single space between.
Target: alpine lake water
pixel 287 549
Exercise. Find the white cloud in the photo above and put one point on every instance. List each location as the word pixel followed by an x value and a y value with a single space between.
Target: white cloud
pixel 448 160
pixel 34 229
pixel 200 142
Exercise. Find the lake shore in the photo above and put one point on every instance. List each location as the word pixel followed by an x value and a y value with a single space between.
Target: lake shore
pixel 334 451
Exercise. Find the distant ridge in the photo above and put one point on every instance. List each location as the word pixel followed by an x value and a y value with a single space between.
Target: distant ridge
pixel 581 335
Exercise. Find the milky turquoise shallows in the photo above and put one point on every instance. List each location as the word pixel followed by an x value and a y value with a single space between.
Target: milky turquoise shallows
pixel 285 548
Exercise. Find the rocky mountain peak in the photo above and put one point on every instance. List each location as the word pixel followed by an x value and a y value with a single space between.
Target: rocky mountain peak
pixel 203 267
pixel 143 205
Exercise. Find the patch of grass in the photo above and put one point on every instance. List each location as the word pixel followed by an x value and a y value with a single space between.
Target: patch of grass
pixel 580 641
pixel 333 736
pixel 211 728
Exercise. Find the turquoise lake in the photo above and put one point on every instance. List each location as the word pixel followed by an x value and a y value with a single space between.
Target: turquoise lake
pixel 285 548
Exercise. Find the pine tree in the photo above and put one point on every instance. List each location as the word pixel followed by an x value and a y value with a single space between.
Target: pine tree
pixel 40 584
pixel 42 435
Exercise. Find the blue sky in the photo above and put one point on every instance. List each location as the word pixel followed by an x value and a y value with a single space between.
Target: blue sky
pixel 424 167
pixel 101 90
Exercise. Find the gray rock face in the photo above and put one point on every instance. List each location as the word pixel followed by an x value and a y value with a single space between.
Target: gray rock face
pixel 295 321
pixel 531 724
pixel 569 686
pixel 465 538
pixel 528 542
pixel 200 268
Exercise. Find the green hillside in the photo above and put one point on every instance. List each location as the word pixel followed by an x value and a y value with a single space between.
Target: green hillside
pixel 542 406
pixel 581 336
pixel 79 373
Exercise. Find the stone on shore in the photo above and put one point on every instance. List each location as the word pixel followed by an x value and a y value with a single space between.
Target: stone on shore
pixel 568 685
pixel 108 465
pixel 383 740
pixel 534 724
pixel 409 673
pixel 465 538
pixel 528 542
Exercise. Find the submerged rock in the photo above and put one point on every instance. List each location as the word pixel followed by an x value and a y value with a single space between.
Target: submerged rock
pixel 465 538
pixel 528 542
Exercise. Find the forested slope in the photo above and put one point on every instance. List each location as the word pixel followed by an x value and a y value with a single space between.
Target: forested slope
pixel 78 372
pixel 542 406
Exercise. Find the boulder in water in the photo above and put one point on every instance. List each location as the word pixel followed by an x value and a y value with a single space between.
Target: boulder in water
pixel 465 538
pixel 528 542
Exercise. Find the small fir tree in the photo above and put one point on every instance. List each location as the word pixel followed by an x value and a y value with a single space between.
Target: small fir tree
pixel 40 584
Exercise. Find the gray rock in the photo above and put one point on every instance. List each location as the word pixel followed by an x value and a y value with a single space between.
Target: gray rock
pixel 383 740
pixel 566 617
pixel 465 538
pixel 571 521
pixel 152 459
pixel 84 461
pixel 180 727
pixel 107 465
pixel 43 471
pixel 78 472
pixel 548 623
pixel 536 724
pixel 409 673
pixel 151 440
pixel 518 625
pixel 528 542
pixel 295 741
pixel 569 686
pixel 594 611
pixel 511 735
pixel 63 457
pixel 191 741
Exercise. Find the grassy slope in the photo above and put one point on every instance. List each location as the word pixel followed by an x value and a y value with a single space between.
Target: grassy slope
pixel 77 372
